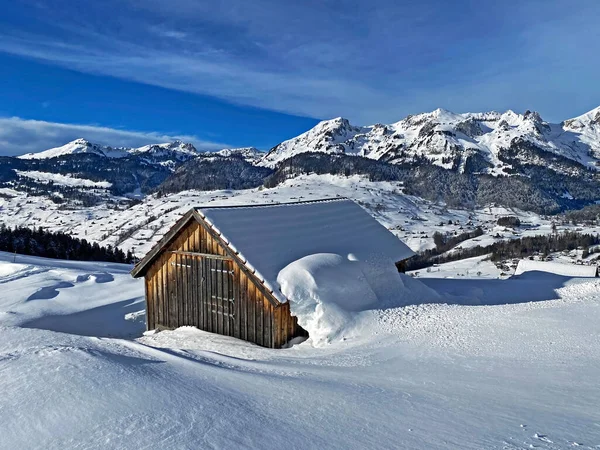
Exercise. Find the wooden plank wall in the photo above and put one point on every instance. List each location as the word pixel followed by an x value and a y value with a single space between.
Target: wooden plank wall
pixel 214 295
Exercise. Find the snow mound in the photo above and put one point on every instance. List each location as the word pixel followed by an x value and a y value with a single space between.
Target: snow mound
pixel 327 291
pixel 7 269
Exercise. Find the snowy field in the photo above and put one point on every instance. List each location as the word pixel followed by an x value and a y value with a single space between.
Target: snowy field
pixel 473 364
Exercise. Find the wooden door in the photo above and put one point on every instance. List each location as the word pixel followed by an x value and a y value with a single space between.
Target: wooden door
pixel 221 298
pixel 214 300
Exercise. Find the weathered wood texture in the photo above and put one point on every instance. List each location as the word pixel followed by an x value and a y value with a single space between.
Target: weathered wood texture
pixel 198 281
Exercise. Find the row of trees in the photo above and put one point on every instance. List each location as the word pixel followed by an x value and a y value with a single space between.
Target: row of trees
pixel 38 242
pixel 504 250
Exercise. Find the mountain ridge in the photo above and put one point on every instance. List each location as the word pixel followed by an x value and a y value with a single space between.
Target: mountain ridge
pixel 448 139
pixel 463 160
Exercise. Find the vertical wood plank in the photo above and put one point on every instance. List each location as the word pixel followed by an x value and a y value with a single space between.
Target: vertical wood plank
pixel 272 325
pixel 196 244
pixel 151 300
pixel 191 289
pixel 276 326
pixel 244 305
pixel 229 289
pixel 186 281
pixel 236 301
pixel 182 297
pixel 251 312
pixel 152 314
pixel 199 293
pixel 232 304
pixel 164 289
pixel 148 296
pixel 219 294
pixel 226 296
pixel 280 313
pixel 285 324
pixel 201 285
pixel 177 274
pixel 160 294
pixel 267 323
pixel 195 292
pixel 205 294
pixel 215 294
pixel 157 304
pixel 257 315
pixel 190 294
pixel 178 290
pixel 211 289
pixel 190 278
pixel 204 288
pixel 172 319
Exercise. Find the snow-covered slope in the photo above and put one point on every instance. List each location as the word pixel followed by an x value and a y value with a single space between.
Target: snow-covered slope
pixel 449 140
pixel 77 372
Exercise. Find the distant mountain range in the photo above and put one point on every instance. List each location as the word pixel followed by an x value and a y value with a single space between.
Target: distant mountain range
pixel 463 160
pixel 494 140
pixel 167 154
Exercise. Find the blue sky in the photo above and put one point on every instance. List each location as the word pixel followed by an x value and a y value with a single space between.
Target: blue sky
pixel 253 73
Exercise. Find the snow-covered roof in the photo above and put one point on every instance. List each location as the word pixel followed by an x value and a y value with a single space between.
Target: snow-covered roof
pixel 270 237
pixel 567 270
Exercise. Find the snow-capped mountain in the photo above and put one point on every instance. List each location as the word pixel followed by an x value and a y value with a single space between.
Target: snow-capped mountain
pixel 75 147
pixel 167 154
pixel 450 140
pixel 328 136
pixel 250 154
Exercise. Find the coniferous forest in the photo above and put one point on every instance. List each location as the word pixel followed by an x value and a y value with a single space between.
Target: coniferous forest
pixel 43 243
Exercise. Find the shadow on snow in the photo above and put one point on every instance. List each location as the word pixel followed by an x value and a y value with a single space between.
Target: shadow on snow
pixel 103 321
pixel 528 287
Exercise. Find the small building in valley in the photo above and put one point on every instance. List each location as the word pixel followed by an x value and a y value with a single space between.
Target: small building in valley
pixel 217 267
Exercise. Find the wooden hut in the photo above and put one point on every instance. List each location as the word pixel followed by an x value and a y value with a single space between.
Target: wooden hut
pixel 216 268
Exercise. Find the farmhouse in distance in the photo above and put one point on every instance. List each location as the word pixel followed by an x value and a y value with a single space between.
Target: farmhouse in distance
pixel 217 268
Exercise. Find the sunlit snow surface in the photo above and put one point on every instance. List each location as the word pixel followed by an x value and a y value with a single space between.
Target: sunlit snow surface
pixel 76 372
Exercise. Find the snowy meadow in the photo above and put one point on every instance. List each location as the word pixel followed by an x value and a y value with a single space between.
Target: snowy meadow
pixel 465 364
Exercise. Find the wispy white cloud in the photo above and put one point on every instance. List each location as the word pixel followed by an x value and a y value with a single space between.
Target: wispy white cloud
pixel 363 60
pixel 19 136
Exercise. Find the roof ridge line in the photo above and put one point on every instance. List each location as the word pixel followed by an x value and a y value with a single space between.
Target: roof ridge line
pixel 262 205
